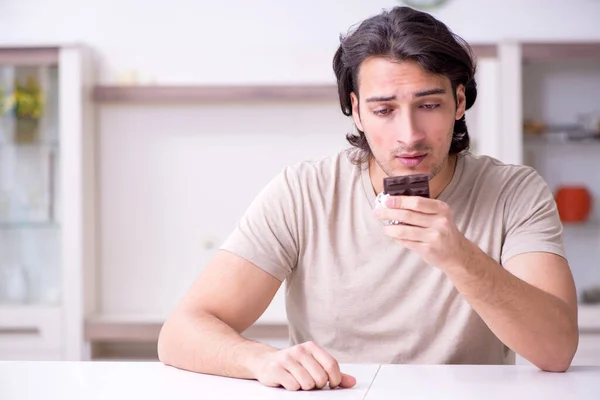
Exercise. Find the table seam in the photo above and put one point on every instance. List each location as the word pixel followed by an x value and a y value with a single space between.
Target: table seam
pixel 372 381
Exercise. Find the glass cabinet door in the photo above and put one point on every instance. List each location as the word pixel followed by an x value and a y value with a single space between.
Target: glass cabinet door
pixel 29 193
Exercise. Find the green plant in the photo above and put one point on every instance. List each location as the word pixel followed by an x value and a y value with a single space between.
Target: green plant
pixel 28 100
pixel 4 107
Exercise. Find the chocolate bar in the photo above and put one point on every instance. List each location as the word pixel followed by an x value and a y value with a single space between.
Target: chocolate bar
pixel 409 185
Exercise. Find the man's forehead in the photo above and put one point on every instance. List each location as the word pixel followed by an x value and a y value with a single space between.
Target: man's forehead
pixel 378 73
pixel 379 70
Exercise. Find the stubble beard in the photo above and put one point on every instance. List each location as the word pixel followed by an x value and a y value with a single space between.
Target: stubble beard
pixel 388 170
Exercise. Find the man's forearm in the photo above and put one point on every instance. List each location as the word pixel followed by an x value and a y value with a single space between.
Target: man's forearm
pixel 203 343
pixel 535 324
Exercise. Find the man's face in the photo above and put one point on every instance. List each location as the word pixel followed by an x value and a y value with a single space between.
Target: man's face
pixel 407 115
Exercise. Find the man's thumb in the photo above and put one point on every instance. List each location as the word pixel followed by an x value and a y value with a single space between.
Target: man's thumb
pixel 347 381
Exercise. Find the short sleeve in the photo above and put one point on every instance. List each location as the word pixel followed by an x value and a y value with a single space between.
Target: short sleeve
pixel 267 233
pixel 532 223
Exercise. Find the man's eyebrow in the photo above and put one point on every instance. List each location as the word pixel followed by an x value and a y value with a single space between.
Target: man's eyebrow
pixel 380 98
pixel 430 92
pixel 423 93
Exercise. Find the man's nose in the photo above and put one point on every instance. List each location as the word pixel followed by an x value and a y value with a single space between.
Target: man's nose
pixel 407 129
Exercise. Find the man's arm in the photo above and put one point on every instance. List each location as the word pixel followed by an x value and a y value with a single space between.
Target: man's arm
pixel 530 305
pixel 203 332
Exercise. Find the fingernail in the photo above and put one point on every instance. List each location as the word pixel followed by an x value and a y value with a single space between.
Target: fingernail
pixel 389 202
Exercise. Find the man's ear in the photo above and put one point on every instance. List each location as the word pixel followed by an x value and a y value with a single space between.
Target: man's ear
pixel 461 102
pixel 355 113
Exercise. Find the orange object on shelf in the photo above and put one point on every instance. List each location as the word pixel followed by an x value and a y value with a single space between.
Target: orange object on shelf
pixel 574 203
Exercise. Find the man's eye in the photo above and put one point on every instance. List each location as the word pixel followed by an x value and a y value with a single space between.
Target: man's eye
pixel 430 106
pixel 383 111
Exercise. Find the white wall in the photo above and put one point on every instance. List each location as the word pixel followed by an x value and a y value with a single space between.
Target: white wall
pixel 175 180
pixel 261 40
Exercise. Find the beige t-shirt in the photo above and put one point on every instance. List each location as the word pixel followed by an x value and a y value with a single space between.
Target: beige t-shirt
pixel 362 296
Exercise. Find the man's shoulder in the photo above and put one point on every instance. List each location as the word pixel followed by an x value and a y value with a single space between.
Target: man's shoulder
pixel 493 171
pixel 495 180
pixel 325 169
pixel 319 175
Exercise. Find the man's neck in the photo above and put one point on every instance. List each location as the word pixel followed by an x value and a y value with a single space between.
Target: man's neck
pixel 436 185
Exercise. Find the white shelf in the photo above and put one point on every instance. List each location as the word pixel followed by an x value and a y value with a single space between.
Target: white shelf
pixel 146 328
pixel 584 227
pixel 123 328
pixel 20 225
pixel 29 56
pixel 196 93
pixel 558 140
pixel 141 328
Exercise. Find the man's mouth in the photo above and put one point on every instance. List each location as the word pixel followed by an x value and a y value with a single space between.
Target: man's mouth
pixel 411 159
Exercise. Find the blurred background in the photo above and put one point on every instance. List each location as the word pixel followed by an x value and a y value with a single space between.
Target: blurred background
pixel 134 134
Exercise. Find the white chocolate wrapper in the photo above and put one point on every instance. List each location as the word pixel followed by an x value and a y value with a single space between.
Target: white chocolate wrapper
pixel 380 203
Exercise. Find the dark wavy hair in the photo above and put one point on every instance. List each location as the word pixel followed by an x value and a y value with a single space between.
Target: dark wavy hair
pixel 406 34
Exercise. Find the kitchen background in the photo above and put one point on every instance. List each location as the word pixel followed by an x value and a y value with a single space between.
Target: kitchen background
pixel 140 131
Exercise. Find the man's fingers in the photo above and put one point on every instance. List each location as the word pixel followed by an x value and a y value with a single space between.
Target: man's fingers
pixel 287 380
pixel 408 217
pixel 407 232
pixel 329 364
pixel 306 366
pixel 300 374
pixel 415 203
pixel 316 370
pixel 414 246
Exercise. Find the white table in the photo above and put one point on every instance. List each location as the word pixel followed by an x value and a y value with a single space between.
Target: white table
pixel 152 380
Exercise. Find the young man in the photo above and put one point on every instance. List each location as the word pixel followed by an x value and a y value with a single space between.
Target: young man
pixel 474 272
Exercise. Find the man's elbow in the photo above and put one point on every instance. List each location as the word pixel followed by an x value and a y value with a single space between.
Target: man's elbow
pixel 555 366
pixel 162 347
pixel 560 358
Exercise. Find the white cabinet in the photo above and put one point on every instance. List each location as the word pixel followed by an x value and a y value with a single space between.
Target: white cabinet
pixel 30 332
pixel 47 190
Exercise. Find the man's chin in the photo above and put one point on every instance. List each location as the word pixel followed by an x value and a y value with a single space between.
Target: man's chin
pixel 400 169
